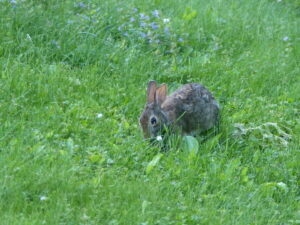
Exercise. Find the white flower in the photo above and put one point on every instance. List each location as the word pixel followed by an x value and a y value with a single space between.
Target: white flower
pixel 28 37
pixel 155 13
pixel 283 186
pixel 159 138
pixel 166 20
pixel 99 115
pixel 286 38
pixel 43 198
pixel 110 161
pixel 85 217
pixel 216 48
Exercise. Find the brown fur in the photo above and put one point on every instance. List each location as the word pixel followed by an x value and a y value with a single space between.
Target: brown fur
pixel 192 108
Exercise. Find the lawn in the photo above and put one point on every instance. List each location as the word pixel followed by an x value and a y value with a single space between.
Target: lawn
pixel 73 83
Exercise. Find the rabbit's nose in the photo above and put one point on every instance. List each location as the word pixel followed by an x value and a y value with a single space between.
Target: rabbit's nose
pixel 153 121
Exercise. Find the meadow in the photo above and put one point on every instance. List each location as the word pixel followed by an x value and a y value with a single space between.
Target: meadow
pixel 73 83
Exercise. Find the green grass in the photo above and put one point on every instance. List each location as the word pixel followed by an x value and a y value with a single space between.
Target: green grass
pixel 62 65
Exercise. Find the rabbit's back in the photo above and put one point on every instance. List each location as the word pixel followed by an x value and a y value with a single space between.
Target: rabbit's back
pixel 192 107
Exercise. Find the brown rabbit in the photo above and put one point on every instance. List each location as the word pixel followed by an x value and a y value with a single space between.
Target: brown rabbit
pixel 190 109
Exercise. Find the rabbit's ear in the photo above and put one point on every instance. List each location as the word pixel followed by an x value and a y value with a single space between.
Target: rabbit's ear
pixel 161 94
pixel 151 91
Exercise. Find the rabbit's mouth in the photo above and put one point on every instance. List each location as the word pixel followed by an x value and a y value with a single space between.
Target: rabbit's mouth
pixel 156 131
pixel 159 132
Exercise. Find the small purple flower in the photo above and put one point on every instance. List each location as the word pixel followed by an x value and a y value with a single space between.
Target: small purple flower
pixel 132 19
pixel 142 16
pixel 180 40
pixel 125 34
pixel 154 26
pixel 81 4
pixel 286 38
pixel 155 13
pixel 147 18
pixel 157 41
pixel 14 3
pixel 121 27
pixel 216 47
pixel 55 44
pixel 85 17
pixel 143 35
pixel 143 24
pixel 167 30
pixel 135 10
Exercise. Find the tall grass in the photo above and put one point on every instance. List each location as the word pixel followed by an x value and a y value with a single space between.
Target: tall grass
pixel 63 63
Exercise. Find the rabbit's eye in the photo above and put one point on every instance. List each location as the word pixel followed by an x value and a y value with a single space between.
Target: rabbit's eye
pixel 153 121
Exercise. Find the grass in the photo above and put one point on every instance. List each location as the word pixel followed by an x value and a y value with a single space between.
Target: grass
pixel 63 63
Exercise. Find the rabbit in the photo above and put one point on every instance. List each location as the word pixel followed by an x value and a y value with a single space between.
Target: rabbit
pixel 191 109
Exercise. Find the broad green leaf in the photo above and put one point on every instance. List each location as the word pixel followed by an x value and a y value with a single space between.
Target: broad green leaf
pixel 189 14
pixel 190 144
pixel 96 158
pixel 153 163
